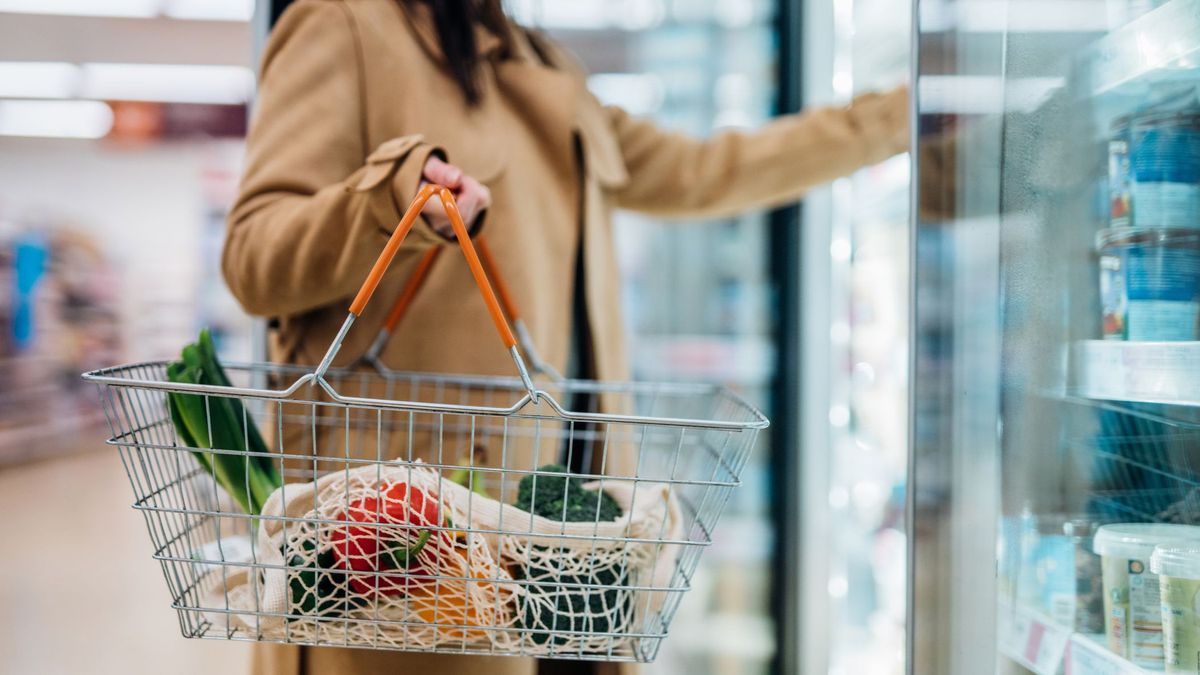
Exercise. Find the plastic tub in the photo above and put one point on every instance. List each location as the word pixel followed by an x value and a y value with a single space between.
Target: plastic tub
pixel 1132 601
pixel 1178 569
pixel 1058 572
pixel 1149 284
pixel 1088 598
pixel 1164 167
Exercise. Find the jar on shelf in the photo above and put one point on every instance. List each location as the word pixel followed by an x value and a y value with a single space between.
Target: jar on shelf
pixel 1149 284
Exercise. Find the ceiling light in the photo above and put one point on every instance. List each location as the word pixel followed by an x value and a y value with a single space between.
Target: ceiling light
pixel 168 83
pixel 210 10
pixel 588 14
pixel 38 79
pixel 55 119
pixel 122 8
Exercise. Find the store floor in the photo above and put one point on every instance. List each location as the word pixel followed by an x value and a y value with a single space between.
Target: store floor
pixel 79 592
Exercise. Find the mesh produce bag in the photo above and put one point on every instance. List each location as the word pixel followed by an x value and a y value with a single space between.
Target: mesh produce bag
pixel 581 590
pixel 495 575
pixel 358 565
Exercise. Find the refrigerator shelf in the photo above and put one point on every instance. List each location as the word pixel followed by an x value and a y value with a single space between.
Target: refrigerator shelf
pixel 1153 48
pixel 1036 642
pixel 1144 372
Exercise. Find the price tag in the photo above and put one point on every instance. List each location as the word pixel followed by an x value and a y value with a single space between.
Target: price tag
pixel 1045 647
pixel 1039 645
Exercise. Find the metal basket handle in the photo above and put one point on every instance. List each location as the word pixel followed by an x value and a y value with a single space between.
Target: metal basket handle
pixel 503 293
pixel 385 260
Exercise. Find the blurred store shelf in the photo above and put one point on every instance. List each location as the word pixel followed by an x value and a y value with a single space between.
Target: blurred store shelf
pixel 743 361
pixel 1153 48
pixel 88 39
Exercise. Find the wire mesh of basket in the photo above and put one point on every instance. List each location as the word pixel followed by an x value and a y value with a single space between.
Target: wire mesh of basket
pixel 525 516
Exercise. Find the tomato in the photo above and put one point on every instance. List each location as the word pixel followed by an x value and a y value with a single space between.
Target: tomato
pixel 379 548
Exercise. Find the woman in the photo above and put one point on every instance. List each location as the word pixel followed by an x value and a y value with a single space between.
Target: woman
pixel 361 101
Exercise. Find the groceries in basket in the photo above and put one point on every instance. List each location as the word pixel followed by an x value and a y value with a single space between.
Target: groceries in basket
pixel 407 554
pixel 399 555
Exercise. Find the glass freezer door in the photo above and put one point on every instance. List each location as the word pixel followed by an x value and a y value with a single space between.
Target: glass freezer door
pixel 1055 432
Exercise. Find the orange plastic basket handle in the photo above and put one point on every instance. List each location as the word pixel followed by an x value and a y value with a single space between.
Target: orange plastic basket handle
pixel 421 273
pixel 413 286
pixel 410 289
pixel 385 258
pixel 464 242
pixel 400 308
pixel 489 261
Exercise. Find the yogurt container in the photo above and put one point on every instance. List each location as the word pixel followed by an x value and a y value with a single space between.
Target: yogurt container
pixel 1088 598
pixel 1164 169
pixel 1178 570
pixel 1132 599
pixel 1149 284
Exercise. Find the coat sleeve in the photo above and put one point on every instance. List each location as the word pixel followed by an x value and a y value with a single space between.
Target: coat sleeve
pixel 315 204
pixel 677 176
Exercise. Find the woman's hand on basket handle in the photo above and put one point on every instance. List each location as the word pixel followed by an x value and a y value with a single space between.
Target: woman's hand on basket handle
pixel 473 197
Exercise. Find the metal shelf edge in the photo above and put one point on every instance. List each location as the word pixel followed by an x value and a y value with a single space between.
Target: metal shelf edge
pixel 1165 373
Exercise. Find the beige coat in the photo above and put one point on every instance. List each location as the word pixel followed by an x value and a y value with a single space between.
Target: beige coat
pixel 353 99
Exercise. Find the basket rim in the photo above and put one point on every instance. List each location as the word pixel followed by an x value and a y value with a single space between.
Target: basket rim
pixel 304 389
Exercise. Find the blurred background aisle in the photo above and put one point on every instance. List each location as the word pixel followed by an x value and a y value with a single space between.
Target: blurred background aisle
pixel 80 569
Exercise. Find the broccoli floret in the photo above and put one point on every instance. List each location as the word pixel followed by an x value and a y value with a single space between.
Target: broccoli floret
pixel 564 497
pixel 572 609
pixel 582 611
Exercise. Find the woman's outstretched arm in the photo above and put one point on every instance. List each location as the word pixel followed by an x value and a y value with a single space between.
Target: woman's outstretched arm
pixel 674 175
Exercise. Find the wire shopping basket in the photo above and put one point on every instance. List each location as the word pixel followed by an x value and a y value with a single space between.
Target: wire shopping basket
pixel 424 512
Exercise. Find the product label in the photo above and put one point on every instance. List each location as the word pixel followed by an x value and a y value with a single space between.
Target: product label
pixel 1145 614
pixel 1169 320
pixel 1154 273
pixel 1113 297
pixel 1054 563
pixel 1181 624
pixel 1118 183
pixel 1166 204
pixel 1116 604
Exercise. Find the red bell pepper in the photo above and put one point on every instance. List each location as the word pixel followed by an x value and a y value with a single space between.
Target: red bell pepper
pixel 379 548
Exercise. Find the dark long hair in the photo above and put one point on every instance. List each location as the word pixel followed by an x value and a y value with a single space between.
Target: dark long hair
pixel 455 21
